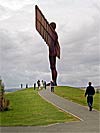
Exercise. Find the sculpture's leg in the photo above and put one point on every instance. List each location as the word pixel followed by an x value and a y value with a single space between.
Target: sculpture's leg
pixel 54 76
pixel 52 60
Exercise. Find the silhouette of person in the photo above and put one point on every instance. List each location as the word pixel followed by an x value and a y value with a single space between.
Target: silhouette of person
pixel 52 86
pixel 45 84
pixel 38 83
pixel 54 51
pixel 21 85
pixel 90 91
pixel 34 86
pixel 26 85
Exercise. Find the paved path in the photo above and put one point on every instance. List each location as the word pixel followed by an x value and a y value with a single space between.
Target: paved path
pixel 89 121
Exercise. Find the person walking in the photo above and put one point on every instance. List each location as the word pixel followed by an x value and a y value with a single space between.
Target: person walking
pixel 90 91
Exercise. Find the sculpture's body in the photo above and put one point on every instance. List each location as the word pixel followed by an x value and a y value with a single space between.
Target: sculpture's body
pixel 53 54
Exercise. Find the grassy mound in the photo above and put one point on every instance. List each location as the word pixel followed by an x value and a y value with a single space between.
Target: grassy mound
pixel 28 108
pixel 77 95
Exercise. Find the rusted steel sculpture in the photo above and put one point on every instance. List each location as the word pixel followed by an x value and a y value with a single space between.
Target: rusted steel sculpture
pixel 48 33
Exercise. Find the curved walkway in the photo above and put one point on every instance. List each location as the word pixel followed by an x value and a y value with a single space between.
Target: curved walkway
pixel 89 121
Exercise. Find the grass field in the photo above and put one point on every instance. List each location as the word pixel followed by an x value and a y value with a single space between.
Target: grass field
pixel 28 108
pixel 77 95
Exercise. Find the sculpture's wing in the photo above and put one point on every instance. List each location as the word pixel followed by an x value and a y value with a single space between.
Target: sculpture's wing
pixel 45 30
pixel 43 27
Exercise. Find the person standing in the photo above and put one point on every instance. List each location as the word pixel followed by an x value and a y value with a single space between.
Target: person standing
pixel 26 85
pixel 90 91
pixel 52 84
pixel 34 86
pixel 45 84
pixel 21 85
pixel 38 83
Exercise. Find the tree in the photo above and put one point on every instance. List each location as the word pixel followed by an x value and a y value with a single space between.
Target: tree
pixel 4 103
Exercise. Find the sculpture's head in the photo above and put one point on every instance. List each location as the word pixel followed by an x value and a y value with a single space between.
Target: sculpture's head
pixel 53 25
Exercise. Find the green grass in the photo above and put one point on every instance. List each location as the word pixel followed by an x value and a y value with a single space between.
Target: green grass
pixel 77 95
pixel 28 108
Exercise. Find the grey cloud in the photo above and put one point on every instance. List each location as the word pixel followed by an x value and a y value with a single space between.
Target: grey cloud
pixel 25 54
pixel 21 58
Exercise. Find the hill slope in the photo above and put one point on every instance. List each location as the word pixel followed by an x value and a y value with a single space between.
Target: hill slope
pixel 28 108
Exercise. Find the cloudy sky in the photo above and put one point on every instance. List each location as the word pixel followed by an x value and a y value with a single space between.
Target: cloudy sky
pixel 24 54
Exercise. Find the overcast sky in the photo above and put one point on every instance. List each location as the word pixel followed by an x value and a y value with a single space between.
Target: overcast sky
pixel 24 54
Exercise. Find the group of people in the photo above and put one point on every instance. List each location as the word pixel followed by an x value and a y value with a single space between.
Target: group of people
pixel 25 86
pixel 40 84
